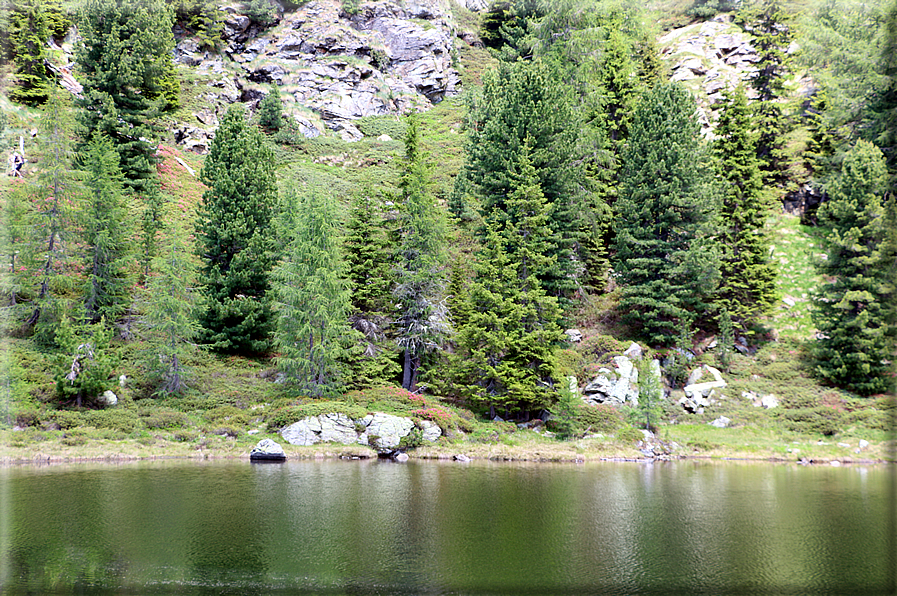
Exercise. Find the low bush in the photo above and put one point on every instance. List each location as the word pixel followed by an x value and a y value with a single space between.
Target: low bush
pixel 164 418
pixel 122 420
pixel 66 419
pixel 818 420
pixel 232 415
pixel 374 126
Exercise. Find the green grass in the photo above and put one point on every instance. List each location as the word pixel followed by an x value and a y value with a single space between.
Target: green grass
pixel 796 248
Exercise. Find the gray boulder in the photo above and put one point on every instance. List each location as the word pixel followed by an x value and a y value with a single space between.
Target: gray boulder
pixel 107 399
pixel 267 447
pixel 388 430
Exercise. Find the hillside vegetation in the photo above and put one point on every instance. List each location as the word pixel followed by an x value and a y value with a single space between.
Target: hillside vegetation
pixel 189 268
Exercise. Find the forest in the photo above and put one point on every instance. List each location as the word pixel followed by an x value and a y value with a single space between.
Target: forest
pixel 475 255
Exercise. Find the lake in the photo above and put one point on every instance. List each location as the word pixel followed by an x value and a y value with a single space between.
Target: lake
pixel 378 527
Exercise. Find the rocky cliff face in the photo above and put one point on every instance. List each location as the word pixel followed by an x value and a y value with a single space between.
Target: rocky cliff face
pixel 392 57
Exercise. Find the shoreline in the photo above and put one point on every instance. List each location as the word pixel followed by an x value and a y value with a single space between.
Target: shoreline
pixel 431 454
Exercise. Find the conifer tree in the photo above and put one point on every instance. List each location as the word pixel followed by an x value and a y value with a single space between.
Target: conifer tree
pixel 369 262
pixel 86 359
pixel 171 311
pixel 747 289
pixel 883 107
pixel 772 37
pixel 312 298
pixel 271 110
pixel 618 84
pixel 55 225
pixel 107 234
pixel 506 356
pixel 854 348
pixel 520 101
pixel 422 320
pixel 128 77
pixel 31 23
pixel 235 237
pixel 666 268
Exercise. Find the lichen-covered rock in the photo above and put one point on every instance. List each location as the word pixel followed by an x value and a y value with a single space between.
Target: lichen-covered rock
pixel 267 447
pixel 385 431
pixel 431 431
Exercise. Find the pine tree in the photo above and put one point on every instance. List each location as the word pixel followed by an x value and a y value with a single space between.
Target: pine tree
pixel 312 298
pixel 618 84
pixel 666 268
pixel 883 105
pixel 772 37
pixel 521 101
pixel 370 261
pixel 107 234
pixel 86 359
pixel 271 110
pixel 30 23
pixel 507 344
pixel 234 236
pixel 422 319
pixel 854 348
pixel 171 311
pixel 128 77
pixel 748 287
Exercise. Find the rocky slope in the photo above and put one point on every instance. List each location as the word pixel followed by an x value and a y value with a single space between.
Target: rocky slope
pixel 391 57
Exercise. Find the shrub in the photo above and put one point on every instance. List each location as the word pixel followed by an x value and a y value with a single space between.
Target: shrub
pixel 164 419
pixel 819 420
pixel 600 418
pixel 27 418
pixel 125 421
pixel 414 438
pixel 230 414
pixel 629 434
pixel 374 126
pixel 66 419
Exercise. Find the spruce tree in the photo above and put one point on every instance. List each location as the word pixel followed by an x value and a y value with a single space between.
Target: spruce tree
pixel 311 298
pixel 422 320
pixel 129 81
pixel 618 84
pixel 666 267
pixel 86 359
pixel 748 287
pixel 235 237
pixel 172 306
pixel 107 233
pixel 854 346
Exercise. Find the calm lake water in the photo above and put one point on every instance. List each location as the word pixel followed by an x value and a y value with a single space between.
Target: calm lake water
pixel 372 527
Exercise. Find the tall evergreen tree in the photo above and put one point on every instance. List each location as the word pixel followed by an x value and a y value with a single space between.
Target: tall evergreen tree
pixel 883 107
pixel 772 37
pixel 107 234
pixel 171 311
pixel 55 225
pixel 854 348
pixel 235 238
pixel 748 287
pixel 422 320
pixel 312 298
pixel 666 268
pixel 507 345
pixel 128 77
pixel 31 23
pixel 520 101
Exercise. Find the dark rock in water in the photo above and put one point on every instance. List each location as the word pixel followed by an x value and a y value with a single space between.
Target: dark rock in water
pixel 266 451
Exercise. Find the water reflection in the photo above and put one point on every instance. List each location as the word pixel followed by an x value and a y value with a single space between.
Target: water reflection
pixel 443 528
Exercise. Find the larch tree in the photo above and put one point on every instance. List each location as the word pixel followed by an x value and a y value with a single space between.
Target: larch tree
pixel 235 237
pixel 172 306
pixel 422 320
pixel 854 346
pixel 748 287
pixel 667 269
pixel 311 297
pixel 107 234
pixel 61 192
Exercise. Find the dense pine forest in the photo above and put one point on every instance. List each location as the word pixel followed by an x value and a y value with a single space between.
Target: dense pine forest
pixel 577 221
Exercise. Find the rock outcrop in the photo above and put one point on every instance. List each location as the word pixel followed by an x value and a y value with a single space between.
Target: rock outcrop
pixel 616 387
pixel 390 58
pixel 383 432
pixel 700 390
